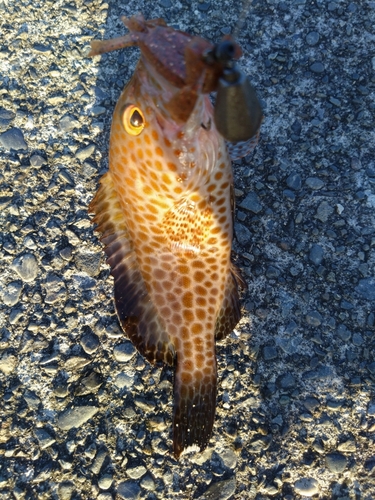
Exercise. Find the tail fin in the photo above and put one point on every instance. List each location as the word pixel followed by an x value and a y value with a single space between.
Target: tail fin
pixel 194 410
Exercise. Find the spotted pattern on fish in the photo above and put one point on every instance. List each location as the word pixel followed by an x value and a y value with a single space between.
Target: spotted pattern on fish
pixel 165 213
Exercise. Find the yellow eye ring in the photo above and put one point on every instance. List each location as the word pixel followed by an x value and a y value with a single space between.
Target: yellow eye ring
pixel 133 119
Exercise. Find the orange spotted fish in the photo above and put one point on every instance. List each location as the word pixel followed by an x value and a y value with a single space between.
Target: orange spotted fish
pixel 165 213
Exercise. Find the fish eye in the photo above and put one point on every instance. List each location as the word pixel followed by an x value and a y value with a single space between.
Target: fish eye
pixel 133 119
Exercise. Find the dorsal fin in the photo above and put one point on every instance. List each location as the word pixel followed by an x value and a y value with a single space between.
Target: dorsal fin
pixel 136 313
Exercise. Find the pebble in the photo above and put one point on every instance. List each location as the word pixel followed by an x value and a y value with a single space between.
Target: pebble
pixel 68 123
pixel 90 343
pixel 37 160
pixel 335 101
pixel 8 363
pixel 6 115
pixel 45 439
pixel 272 272
pixel 15 315
pixel 287 381
pixel 313 318
pixel 65 490
pixel 291 327
pixel 366 288
pixel 289 346
pixel 348 446
pixel 269 352
pixel 76 362
pixel 289 194
pixel 294 181
pixel 12 293
pixel 317 67
pixel 312 38
pixel 65 176
pixel 251 203
pixel 84 153
pixel 105 481
pixel 148 483
pixel 26 266
pixel 306 486
pixel 98 110
pixel 357 339
pixel 88 262
pixel 336 462
pixel 296 127
pixel 229 458
pixel 30 243
pixel 324 211
pixel 222 490
pixel 316 254
pixel 311 403
pixel 75 417
pixel 13 139
pixel 98 461
pixel 314 183
pixel 124 352
pixel 136 472
pixel 129 490
pixel 123 380
pixel 55 288
pixel 242 234
pixel 91 383
pixel 32 400
pixel 344 333
pixel 105 496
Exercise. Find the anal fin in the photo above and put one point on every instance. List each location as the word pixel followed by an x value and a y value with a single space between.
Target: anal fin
pixel 136 313
pixel 230 312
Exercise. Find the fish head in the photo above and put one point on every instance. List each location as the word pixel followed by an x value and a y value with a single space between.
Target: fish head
pixel 164 117
pixel 168 96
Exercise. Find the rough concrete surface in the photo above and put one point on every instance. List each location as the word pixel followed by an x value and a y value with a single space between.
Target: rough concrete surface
pixel 82 415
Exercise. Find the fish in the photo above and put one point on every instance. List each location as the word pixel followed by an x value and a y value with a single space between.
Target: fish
pixel 164 211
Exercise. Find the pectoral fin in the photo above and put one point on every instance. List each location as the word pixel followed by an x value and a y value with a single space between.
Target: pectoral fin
pixel 135 310
pixel 186 226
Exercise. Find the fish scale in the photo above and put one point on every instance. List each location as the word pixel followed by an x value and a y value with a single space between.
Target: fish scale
pixel 164 210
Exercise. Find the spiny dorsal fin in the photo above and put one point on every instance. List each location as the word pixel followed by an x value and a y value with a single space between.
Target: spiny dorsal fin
pixel 135 310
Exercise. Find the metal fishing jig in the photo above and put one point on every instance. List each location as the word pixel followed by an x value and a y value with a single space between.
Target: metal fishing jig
pixel 238 113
